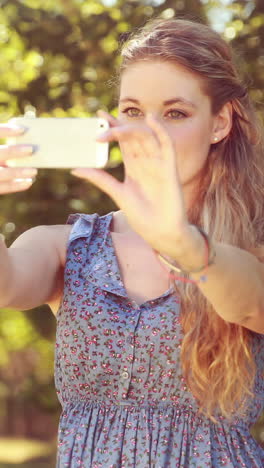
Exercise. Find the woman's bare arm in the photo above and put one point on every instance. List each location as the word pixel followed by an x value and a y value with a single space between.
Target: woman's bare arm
pixel 31 270
pixel 31 267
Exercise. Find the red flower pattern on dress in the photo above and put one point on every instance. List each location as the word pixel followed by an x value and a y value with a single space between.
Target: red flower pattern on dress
pixel 125 403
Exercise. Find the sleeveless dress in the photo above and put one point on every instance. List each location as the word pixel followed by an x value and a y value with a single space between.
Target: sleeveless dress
pixel 124 400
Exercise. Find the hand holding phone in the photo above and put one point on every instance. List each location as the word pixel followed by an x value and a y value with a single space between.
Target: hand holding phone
pixel 62 142
pixel 14 179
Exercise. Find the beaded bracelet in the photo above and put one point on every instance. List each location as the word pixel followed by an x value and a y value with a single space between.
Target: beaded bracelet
pixel 210 256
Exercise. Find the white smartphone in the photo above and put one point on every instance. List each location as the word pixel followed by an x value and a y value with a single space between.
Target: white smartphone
pixel 66 142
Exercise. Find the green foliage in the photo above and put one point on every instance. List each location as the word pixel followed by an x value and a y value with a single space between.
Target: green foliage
pixel 26 352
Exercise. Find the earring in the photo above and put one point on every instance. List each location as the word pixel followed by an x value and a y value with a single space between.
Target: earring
pixel 215 138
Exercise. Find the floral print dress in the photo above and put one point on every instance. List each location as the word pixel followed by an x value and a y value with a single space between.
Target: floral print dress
pixel 118 377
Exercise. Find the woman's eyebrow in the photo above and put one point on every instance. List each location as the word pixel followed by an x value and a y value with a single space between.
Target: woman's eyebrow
pixel 177 100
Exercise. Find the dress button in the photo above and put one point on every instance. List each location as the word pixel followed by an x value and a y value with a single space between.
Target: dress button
pixel 129 340
pixel 125 375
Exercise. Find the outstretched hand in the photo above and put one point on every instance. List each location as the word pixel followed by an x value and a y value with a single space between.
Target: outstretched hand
pixel 151 195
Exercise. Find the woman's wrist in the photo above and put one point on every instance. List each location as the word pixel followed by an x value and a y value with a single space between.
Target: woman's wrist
pixel 189 253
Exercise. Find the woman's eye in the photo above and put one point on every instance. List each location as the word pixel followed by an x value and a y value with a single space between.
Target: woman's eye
pixel 126 111
pixel 179 114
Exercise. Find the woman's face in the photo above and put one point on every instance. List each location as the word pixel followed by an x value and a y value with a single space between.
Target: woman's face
pixel 145 87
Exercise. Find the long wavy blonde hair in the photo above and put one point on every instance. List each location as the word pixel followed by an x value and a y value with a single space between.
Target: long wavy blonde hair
pixel 217 358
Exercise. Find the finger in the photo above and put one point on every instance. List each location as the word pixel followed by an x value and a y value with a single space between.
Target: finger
pixel 15 186
pixel 9 130
pixel 103 181
pixel 149 145
pixel 115 134
pixel 16 151
pixel 8 174
pixel 133 149
pixel 142 146
pixel 161 134
pixel 139 165
pixel 123 133
pixel 113 122
pixel 132 158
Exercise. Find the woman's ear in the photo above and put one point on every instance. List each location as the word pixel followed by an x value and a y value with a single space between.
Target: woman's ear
pixel 222 123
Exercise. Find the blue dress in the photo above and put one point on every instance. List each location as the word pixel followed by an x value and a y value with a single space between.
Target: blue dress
pixel 124 400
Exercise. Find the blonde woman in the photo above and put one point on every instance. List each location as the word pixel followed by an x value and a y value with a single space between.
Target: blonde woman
pixel 159 305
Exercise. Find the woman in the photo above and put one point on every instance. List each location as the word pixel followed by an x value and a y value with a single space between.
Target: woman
pixel 156 370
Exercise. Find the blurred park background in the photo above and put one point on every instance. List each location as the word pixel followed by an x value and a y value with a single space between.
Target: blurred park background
pixel 58 59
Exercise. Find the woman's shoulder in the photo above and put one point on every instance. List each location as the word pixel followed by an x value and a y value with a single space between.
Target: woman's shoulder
pixel 59 233
pixel 76 224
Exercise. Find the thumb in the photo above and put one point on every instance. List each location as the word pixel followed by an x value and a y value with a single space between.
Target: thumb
pixel 103 181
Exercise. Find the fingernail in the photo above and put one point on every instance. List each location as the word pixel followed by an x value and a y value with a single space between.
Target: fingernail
pixel 19 128
pixel 23 181
pixel 29 172
pixel 35 148
pixel 28 149
pixel 103 135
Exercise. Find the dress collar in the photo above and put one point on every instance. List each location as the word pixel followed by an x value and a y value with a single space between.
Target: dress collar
pixel 103 270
